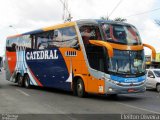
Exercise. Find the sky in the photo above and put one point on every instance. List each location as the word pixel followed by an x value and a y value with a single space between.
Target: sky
pixel 27 15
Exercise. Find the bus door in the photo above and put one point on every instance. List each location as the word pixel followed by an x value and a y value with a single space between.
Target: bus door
pixel 97 55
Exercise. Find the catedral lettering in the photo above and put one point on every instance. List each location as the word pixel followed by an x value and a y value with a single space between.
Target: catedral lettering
pixel 92 56
pixel 40 55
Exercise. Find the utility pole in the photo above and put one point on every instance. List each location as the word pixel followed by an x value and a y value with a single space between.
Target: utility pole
pixel 66 13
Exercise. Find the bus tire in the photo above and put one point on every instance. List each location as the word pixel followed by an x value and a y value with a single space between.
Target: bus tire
pixel 74 88
pixel 80 88
pixel 158 88
pixel 20 80
pixel 16 78
pixel 113 95
pixel 26 81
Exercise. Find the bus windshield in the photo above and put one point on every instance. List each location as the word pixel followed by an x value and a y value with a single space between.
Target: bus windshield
pixel 132 64
pixel 122 34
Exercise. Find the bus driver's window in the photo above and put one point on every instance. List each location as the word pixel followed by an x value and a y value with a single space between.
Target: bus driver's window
pixel 90 33
pixel 85 33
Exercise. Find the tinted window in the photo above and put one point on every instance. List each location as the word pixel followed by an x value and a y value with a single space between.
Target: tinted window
pixel 22 41
pixel 90 32
pixel 41 40
pixel 64 37
pixel 123 34
pixel 11 44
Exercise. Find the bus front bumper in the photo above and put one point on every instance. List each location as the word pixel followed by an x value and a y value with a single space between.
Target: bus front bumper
pixel 112 88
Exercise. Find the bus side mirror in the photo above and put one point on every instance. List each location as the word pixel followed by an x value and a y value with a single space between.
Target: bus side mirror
pixel 153 51
pixel 104 44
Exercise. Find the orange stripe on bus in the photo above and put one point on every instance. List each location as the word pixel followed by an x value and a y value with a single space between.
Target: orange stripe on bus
pixel 11 58
pixel 13 36
pixel 127 47
pixel 67 24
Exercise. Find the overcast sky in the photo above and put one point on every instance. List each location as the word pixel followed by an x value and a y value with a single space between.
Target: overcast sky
pixel 26 15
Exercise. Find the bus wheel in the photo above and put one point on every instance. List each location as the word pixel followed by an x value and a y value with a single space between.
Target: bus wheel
pixel 26 81
pixel 80 88
pixel 20 80
pixel 158 88
pixel 113 95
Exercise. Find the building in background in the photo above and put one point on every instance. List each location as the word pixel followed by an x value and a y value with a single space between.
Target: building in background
pixel 148 59
pixel 158 57
pixel 153 64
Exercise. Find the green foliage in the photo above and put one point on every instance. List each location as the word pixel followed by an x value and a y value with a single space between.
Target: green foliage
pixel 120 19
pixel 116 19
pixel 104 18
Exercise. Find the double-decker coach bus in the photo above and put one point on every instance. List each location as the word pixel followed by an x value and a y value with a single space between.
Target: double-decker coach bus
pixel 84 56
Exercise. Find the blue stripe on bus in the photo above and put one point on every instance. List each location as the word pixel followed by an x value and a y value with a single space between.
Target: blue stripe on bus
pixel 128 80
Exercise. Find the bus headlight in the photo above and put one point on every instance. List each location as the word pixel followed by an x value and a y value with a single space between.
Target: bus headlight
pixel 110 89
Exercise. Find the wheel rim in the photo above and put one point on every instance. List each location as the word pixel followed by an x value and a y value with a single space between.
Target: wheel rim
pixel 20 80
pixel 79 88
pixel 26 81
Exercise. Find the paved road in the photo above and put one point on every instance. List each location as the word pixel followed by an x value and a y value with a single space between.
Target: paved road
pixel 17 100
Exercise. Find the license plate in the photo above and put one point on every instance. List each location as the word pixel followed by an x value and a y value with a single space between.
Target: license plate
pixel 131 90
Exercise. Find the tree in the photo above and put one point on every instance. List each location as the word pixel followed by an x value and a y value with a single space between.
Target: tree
pixel 104 18
pixel 116 19
pixel 120 19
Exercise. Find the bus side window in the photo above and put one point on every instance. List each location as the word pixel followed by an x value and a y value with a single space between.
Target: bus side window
pixel 52 38
pixel 56 39
pixel 85 33
pixel 65 37
pixel 33 42
pixel 43 40
pixel 69 37
pixel 55 34
pixel 8 45
pixel 11 44
pixel 25 42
